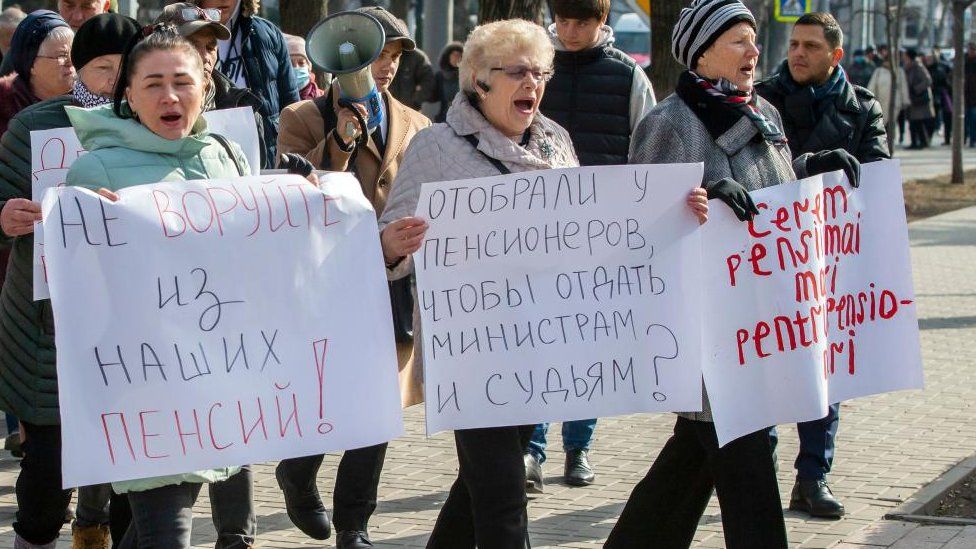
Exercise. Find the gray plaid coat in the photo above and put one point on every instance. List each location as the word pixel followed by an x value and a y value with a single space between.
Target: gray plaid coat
pixel 673 133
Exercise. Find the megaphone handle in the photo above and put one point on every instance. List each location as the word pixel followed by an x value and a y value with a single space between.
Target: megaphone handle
pixel 363 136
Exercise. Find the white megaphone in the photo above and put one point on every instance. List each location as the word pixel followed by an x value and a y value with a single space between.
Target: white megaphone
pixel 345 44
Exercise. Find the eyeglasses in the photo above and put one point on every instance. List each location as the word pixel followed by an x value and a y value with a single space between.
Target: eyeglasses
pixel 519 72
pixel 64 59
pixel 194 14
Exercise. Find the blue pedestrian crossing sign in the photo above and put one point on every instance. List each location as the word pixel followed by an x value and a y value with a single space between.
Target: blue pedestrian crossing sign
pixel 788 11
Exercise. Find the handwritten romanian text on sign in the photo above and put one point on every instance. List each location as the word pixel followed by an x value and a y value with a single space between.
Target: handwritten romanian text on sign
pixel 809 304
pixel 559 295
pixel 204 324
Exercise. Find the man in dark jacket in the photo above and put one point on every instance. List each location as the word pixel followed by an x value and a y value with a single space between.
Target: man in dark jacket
pixel 255 56
pixel 414 80
pixel 599 95
pixel 970 94
pixel 822 111
pixel 941 72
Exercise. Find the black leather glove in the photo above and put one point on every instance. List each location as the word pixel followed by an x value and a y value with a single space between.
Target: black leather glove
pixel 837 159
pixel 735 195
pixel 295 164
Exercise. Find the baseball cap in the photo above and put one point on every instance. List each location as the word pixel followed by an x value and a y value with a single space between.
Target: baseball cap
pixel 189 19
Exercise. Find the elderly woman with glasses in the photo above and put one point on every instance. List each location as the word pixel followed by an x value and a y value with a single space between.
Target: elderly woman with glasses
pixel 40 53
pixel 493 127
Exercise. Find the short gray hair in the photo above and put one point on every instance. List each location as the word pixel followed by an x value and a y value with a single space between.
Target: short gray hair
pixel 11 17
pixel 489 45
pixel 59 33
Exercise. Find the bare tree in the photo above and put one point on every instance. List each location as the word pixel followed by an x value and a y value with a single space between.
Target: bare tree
pixel 495 10
pixel 299 17
pixel 959 8
pixel 664 67
pixel 893 14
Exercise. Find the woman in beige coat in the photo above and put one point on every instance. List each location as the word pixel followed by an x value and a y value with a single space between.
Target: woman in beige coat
pixel 880 86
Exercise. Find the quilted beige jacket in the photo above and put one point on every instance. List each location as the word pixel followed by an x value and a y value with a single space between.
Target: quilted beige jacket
pixel 442 153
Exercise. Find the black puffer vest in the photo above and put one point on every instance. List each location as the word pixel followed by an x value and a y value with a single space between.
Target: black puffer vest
pixel 589 95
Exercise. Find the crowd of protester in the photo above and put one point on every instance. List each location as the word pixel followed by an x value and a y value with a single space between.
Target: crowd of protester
pixel 513 97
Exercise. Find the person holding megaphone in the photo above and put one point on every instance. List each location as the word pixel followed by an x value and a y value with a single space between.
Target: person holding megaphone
pixel 356 126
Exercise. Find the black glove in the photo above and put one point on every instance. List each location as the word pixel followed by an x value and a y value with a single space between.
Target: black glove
pixel 735 195
pixel 837 159
pixel 295 164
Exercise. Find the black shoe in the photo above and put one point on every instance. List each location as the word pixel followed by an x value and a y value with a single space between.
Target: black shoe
pixel 305 508
pixel 578 471
pixel 814 497
pixel 352 539
pixel 533 475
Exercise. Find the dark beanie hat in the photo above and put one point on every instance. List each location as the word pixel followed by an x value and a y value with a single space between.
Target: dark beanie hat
pixel 701 23
pixel 28 37
pixel 104 34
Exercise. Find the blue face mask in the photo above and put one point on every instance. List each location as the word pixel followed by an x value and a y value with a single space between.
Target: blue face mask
pixel 303 76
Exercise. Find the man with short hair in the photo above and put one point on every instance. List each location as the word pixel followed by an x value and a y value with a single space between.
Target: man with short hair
pixel 9 19
pixel 76 12
pixel 822 110
pixel 599 94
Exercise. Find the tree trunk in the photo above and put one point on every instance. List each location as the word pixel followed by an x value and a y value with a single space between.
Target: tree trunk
pixel 299 17
pixel 400 8
pixel 893 14
pixel 462 24
pixel 664 68
pixel 959 8
pixel 496 10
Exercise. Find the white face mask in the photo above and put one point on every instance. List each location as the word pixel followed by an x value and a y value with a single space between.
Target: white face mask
pixel 303 76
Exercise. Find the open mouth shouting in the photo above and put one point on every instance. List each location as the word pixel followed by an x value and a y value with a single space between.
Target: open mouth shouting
pixel 525 106
pixel 171 119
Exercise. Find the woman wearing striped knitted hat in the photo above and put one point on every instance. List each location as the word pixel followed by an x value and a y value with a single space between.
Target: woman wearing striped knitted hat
pixel 715 118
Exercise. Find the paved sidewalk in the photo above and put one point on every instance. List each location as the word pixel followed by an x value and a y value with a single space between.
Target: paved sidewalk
pixel 888 446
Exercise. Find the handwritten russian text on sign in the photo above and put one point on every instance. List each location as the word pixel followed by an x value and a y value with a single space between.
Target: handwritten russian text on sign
pixel 809 304
pixel 559 295
pixel 204 324
pixel 54 151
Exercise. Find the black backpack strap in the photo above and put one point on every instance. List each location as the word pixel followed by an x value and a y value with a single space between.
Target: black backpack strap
pixel 502 168
pixel 230 152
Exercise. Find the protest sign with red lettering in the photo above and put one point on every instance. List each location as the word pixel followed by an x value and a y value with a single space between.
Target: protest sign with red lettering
pixel 560 294
pixel 809 304
pixel 214 323
pixel 54 151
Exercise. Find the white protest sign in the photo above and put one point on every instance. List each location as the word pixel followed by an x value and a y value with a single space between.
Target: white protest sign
pixel 214 323
pixel 52 154
pixel 559 295
pixel 54 151
pixel 240 126
pixel 809 304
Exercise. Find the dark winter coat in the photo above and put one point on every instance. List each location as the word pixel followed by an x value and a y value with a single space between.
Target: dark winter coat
pixel 851 120
pixel 919 92
pixel 414 80
pixel 227 96
pixel 28 375
pixel 269 76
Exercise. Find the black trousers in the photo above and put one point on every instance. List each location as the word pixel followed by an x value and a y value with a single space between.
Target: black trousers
pixel 356 485
pixel 486 505
pixel 665 507
pixel 919 132
pixel 41 502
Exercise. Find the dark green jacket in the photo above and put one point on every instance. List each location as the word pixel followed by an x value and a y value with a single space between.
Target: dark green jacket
pixel 28 376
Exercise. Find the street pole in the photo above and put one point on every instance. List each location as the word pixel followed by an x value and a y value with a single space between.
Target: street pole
pixel 438 26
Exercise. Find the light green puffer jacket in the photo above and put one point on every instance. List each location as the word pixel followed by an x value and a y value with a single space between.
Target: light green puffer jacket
pixel 123 153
